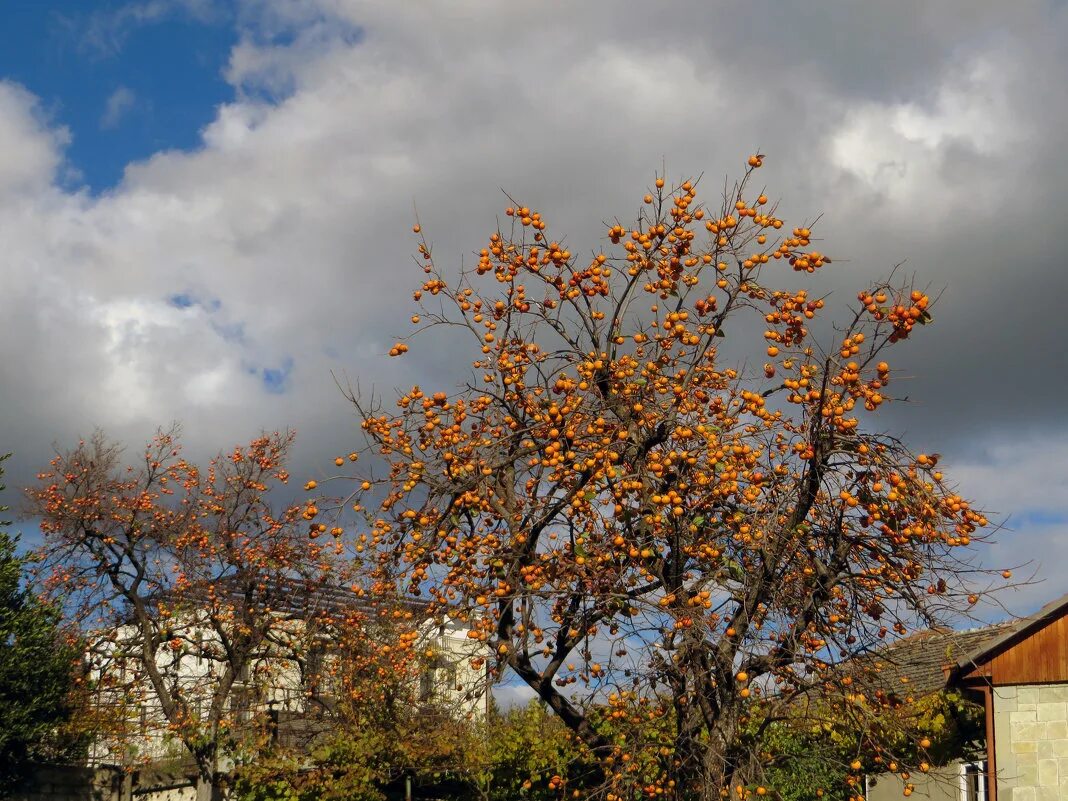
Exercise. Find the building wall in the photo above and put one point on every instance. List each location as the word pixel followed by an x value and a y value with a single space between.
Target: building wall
pixel 274 682
pixel 274 676
pixel 941 784
pixel 1039 657
pixel 1031 740
pixel 468 693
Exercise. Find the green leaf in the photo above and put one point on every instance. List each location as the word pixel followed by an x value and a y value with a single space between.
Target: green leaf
pixel 734 570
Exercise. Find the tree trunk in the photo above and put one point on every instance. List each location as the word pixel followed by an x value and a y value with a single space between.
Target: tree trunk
pixel 208 788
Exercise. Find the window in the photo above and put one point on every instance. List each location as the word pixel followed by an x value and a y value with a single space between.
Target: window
pixel 242 694
pixel 438 681
pixel 973 781
pixel 314 670
pixel 426 685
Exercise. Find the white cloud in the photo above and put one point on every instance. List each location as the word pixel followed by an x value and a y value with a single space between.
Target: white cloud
pixel 508 696
pixel 1024 475
pixel 286 229
pixel 30 150
pixel 118 104
pixel 898 149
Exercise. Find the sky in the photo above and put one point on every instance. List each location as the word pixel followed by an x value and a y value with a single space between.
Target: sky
pixel 205 207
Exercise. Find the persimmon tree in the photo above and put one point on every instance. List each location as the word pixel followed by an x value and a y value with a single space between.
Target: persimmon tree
pixel 628 519
pixel 190 585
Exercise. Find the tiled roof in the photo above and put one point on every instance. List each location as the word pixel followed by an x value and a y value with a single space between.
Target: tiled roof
pixel 920 664
pixel 925 662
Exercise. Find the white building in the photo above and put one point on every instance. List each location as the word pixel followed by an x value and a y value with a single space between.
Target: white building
pixel 289 684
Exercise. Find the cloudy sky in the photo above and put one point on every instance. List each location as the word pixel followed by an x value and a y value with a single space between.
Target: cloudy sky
pixel 205 206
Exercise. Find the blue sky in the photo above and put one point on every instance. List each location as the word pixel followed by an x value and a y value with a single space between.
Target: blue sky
pixel 125 85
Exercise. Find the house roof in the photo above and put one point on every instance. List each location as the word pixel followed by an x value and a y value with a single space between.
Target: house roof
pixel 1010 634
pixel 921 664
pixel 927 661
pixel 288 595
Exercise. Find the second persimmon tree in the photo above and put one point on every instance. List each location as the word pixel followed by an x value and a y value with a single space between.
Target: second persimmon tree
pixel 197 593
pixel 672 550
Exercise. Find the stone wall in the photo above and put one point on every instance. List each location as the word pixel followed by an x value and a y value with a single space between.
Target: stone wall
pixel 1031 738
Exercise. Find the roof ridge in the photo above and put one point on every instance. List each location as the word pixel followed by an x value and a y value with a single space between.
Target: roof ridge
pixel 1017 628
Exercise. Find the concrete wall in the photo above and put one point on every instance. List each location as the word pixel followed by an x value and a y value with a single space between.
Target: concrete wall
pixel 941 784
pixel 1031 736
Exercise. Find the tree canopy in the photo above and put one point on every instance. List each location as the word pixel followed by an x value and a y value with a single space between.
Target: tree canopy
pixel 641 523
pixel 194 591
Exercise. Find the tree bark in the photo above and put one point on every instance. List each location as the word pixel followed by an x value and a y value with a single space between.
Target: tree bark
pixel 207 788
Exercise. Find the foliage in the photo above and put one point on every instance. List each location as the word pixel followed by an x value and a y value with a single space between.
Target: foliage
pixel 528 753
pixel 38 672
pixel 814 755
pixel 525 753
pixel 531 754
pixel 363 758
pixel 804 768
pixel 955 725
pixel 353 767
pixel 618 509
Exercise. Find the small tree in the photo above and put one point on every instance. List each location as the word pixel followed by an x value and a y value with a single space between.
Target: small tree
pixel 38 671
pixel 191 587
pixel 529 752
pixel 523 752
pixel 626 517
